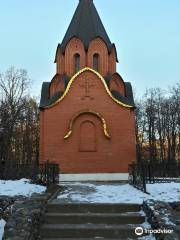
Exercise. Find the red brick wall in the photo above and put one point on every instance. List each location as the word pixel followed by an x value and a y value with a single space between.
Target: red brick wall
pixel 112 155
pixel 98 46
pixel 57 84
pixel 60 64
pixel 112 61
pixel 65 63
pixel 55 81
pixel 74 46
pixel 60 86
pixel 117 84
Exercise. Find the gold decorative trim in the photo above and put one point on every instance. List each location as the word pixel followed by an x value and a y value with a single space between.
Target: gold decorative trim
pixel 100 77
pixel 103 121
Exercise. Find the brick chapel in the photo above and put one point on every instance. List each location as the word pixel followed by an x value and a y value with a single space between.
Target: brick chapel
pixel 87 120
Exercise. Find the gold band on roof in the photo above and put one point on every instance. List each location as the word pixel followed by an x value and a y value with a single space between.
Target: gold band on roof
pixel 100 77
pixel 103 121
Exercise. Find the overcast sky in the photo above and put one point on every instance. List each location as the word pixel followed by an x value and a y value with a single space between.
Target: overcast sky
pixel 146 34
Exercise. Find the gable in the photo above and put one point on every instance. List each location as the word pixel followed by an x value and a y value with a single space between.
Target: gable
pixel 96 76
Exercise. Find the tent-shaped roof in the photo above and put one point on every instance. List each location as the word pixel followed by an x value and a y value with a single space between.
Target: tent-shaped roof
pixel 86 25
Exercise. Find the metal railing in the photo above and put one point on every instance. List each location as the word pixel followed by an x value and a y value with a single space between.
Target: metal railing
pixel 142 173
pixel 46 173
pixel 137 176
pixel 49 173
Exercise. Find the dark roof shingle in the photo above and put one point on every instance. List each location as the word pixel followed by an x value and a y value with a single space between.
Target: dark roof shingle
pixel 86 25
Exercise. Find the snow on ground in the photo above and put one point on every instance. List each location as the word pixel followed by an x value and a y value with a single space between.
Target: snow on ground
pixel 21 187
pixel 2 224
pixel 168 192
pixel 115 193
pixel 149 237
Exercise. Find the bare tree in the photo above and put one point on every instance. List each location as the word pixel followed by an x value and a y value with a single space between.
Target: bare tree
pixel 13 86
pixel 158 125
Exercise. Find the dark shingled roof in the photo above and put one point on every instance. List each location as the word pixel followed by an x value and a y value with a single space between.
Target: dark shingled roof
pixel 129 100
pixel 86 25
pixel 107 79
pixel 44 94
pixel 129 93
pixel 46 101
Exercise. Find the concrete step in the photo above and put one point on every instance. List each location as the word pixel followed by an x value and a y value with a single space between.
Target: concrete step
pixel 88 231
pixel 57 207
pixel 108 218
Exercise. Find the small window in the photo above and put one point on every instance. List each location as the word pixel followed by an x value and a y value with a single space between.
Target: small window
pixel 77 62
pixel 96 62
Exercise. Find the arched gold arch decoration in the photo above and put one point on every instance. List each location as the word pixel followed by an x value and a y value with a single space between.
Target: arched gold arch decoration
pixel 103 121
pixel 100 77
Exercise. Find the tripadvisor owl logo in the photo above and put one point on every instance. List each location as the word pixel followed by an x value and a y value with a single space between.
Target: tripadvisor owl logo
pixel 139 231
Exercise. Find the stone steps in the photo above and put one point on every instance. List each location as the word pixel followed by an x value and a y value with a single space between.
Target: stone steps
pixel 80 221
pixel 93 208
pixel 87 231
pixel 108 218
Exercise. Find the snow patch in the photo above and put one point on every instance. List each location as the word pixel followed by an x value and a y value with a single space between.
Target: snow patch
pixel 114 193
pixel 167 221
pixel 2 224
pixel 167 192
pixel 21 187
pixel 148 237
